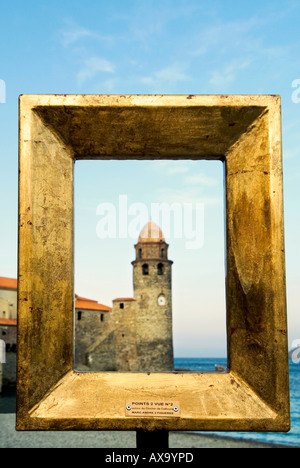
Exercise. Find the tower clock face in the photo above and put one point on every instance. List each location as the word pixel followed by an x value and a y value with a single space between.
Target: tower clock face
pixel 161 300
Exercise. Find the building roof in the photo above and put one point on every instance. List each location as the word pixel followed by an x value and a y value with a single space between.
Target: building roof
pixel 4 321
pixel 80 302
pixel 79 298
pixel 151 232
pixel 91 305
pixel 8 283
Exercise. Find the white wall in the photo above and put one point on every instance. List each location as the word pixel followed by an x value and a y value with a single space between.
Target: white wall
pixel 10 297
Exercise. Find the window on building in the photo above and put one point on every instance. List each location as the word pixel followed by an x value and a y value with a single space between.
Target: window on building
pixel 102 318
pixel 162 253
pixel 145 269
pixel 160 269
pixel 79 315
pixel 121 305
pixel 140 253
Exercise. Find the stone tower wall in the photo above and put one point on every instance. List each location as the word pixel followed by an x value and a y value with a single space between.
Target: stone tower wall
pixel 88 329
pixel 114 349
pixel 125 335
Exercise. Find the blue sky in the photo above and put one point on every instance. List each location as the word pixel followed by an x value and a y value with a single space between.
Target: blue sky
pixel 145 47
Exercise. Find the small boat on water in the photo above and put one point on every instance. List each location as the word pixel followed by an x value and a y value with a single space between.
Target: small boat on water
pixel 220 368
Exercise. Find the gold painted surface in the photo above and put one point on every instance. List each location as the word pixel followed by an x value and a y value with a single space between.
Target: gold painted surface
pixel 203 399
pixel 242 131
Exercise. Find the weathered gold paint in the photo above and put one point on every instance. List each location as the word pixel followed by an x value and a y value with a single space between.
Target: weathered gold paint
pixel 242 131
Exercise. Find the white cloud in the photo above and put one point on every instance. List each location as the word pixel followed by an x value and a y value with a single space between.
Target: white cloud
pixel 75 33
pixel 171 74
pixel 202 50
pixel 290 153
pixel 183 167
pixel 201 179
pixel 178 169
pixel 188 195
pixel 228 74
pixel 108 85
pixel 231 33
pixel 150 19
pixel 222 78
pixel 275 53
pixel 171 167
pixel 93 66
pixel 148 80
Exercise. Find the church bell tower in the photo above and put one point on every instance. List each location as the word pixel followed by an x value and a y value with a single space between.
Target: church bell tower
pixel 152 283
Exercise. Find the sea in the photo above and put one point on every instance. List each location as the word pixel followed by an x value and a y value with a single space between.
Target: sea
pixel 291 438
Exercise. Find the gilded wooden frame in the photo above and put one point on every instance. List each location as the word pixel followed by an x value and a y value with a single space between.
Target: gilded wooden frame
pixel 242 131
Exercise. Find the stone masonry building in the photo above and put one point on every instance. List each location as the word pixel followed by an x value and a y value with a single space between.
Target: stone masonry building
pixel 89 310
pixel 8 330
pixel 134 335
pixel 137 334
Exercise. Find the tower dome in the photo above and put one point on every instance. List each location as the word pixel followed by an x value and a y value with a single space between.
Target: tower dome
pixel 151 232
pixel 151 244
